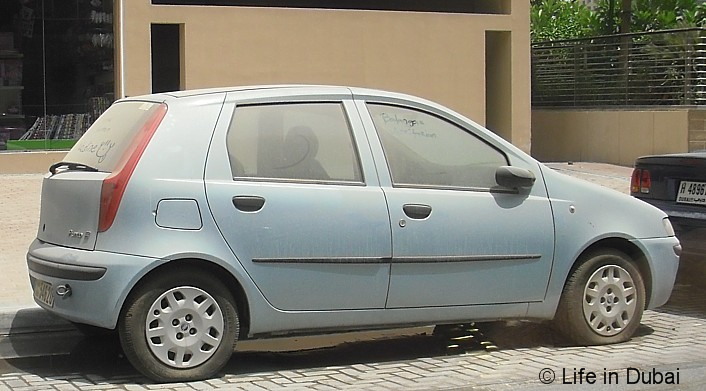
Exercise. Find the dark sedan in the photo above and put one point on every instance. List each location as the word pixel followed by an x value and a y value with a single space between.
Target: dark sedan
pixel 676 183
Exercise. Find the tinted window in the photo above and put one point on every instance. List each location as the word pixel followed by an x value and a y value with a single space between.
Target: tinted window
pixel 105 142
pixel 308 141
pixel 423 149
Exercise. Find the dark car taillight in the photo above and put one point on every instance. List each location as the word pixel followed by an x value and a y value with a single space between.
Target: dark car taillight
pixel 645 182
pixel 641 181
pixel 635 181
pixel 114 185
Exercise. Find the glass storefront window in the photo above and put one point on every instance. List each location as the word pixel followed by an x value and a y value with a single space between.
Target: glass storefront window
pixel 56 70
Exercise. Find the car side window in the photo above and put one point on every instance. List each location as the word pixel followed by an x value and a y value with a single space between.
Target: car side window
pixel 425 150
pixel 293 141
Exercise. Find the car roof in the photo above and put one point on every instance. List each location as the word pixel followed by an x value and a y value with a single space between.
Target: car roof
pixel 205 91
pixel 355 91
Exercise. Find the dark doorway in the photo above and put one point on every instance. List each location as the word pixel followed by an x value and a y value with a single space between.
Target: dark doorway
pixel 166 57
pixel 498 83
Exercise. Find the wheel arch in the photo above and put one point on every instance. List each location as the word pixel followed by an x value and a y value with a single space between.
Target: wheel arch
pixel 630 249
pixel 203 267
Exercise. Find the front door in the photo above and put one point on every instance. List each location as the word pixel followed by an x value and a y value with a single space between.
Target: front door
pixel 310 229
pixel 458 238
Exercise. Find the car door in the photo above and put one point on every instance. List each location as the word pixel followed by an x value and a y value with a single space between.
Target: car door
pixel 458 238
pixel 292 188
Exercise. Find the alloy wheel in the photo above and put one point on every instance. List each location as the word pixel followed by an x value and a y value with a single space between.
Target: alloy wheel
pixel 184 327
pixel 610 300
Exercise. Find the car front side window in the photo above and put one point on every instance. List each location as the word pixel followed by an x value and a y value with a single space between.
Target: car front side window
pixel 425 150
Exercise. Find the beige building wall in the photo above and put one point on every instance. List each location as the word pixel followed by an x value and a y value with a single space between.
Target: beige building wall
pixel 438 56
pixel 611 136
pixel 29 162
pixel 697 130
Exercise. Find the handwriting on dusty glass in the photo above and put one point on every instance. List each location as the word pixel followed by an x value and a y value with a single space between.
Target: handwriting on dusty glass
pixel 406 125
pixel 99 149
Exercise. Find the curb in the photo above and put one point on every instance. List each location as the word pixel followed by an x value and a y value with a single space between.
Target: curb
pixel 32 332
pixel 26 320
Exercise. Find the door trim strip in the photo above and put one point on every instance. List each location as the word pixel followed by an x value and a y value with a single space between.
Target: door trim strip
pixel 404 259
pixel 319 260
pixel 464 258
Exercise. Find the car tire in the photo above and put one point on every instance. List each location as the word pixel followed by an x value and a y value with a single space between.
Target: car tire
pixel 603 299
pixel 181 326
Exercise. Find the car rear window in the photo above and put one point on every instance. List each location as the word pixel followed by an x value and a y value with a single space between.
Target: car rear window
pixel 105 142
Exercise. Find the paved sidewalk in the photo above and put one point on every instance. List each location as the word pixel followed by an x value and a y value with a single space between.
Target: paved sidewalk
pixel 608 175
pixel 19 217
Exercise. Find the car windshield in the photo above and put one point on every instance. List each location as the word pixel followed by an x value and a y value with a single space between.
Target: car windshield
pixel 107 139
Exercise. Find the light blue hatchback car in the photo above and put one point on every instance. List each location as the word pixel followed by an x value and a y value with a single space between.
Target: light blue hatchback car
pixel 193 219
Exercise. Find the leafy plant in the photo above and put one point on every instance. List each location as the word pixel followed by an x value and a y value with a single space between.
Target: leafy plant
pixel 559 19
pixel 566 19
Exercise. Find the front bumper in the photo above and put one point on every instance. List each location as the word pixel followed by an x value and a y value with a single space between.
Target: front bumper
pixel 99 281
pixel 689 222
pixel 663 257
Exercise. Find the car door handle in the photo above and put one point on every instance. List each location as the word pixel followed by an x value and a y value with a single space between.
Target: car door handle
pixel 417 211
pixel 248 203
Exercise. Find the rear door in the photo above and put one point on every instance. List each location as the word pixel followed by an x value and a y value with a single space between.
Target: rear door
pixel 458 238
pixel 292 188
pixel 71 193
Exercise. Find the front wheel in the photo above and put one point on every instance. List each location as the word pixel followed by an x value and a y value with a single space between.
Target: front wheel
pixel 603 300
pixel 181 326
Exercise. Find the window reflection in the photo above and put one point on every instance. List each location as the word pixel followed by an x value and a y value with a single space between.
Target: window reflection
pixel 56 70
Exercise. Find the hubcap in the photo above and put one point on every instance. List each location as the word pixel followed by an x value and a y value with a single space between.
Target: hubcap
pixel 610 300
pixel 184 327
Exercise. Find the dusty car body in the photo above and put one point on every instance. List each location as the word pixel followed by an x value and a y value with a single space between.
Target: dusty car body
pixel 192 219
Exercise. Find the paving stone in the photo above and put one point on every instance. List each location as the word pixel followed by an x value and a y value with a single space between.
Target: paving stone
pixel 352 372
pixel 201 386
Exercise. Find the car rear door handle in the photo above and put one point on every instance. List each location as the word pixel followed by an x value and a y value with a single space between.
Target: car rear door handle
pixel 248 203
pixel 417 211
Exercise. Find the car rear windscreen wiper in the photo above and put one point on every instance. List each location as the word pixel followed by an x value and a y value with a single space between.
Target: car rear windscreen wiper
pixel 70 167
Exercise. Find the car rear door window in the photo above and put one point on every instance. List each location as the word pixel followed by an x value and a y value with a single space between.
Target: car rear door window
pixel 294 141
pixel 425 150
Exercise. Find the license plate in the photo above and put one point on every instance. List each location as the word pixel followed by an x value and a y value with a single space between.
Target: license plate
pixel 692 193
pixel 43 292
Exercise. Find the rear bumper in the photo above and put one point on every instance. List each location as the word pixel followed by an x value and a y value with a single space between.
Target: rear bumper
pixel 64 271
pixel 99 281
pixel 689 223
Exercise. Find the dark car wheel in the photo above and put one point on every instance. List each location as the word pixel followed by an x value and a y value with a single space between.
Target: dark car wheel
pixel 179 327
pixel 603 300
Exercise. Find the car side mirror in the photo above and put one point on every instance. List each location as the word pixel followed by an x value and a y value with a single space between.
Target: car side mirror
pixel 514 177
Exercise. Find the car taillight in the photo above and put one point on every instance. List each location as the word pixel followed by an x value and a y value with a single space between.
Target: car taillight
pixel 641 181
pixel 635 180
pixel 115 184
pixel 645 182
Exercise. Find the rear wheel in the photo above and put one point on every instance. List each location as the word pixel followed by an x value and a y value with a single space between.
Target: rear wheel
pixel 179 327
pixel 603 300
